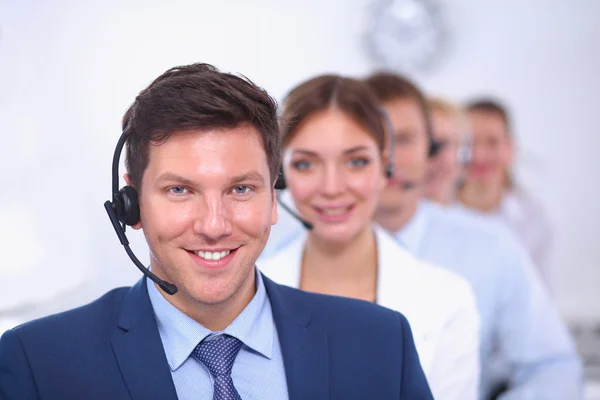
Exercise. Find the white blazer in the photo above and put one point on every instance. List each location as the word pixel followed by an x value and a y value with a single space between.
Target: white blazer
pixel 439 305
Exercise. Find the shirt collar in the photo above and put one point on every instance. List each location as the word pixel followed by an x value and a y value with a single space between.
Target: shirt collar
pixel 411 234
pixel 509 207
pixel 180 334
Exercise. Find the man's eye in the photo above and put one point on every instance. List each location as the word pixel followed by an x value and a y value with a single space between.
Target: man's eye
pixel 241 189
pixel 178 190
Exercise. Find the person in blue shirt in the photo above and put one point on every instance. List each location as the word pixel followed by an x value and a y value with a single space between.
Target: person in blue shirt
pixel 202 157
pixel 526 350
pixel 524 342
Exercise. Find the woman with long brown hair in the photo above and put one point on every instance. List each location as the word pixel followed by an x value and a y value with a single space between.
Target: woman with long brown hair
pixel 334 164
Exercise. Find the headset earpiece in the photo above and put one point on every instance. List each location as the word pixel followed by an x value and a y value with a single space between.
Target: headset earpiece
pixel 434 147
pixel 389 169
pixel 280 182
pixel 465 151
pixel 126 205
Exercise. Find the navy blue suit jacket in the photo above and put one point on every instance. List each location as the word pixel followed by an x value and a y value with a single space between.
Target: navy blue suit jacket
pixel 333 348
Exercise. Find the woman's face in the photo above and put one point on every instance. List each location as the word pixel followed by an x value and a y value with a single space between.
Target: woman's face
pixel 492 149
pixel 334 171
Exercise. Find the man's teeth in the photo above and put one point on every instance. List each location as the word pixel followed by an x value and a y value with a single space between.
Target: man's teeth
pixel 213 255
pixel 335 211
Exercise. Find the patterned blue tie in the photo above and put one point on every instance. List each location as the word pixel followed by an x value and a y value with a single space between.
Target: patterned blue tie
pixel 218 355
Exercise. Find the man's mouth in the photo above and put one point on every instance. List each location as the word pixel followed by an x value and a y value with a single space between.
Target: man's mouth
pixel 212 255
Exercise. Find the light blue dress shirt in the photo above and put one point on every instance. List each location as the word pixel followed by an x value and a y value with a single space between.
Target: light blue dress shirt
pixel 258 371
pixel 523 338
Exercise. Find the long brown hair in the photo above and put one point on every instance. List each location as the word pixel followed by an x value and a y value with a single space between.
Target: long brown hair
pixel 351 96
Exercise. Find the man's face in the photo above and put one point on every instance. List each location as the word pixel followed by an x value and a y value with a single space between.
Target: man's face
pixel 410 154
pixel 207 207
pixel 492 148
pixel 444 168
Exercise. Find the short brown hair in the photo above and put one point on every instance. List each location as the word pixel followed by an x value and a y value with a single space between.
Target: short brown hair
pixel 389 86
pixel 491 106
pixel 351 96
pixel 197 96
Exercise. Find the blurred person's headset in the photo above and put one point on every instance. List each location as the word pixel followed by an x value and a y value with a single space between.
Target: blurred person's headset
pixel 464 150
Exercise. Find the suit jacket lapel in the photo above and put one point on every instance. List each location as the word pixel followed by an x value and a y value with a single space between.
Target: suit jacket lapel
pixel 303 345
pixel 138 348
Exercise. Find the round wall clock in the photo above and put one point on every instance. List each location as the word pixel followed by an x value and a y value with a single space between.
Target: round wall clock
pixel 406 35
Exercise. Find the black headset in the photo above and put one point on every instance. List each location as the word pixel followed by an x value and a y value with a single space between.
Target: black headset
pixel 435 146
pixel 124 209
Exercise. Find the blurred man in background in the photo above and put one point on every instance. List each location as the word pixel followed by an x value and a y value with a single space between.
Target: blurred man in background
pixel 524 344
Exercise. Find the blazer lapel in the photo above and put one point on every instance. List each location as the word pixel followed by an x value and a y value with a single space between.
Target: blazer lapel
pixel 138 348
pixel 303 344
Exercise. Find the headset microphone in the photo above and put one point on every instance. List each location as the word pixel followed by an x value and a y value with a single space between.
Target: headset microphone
pixel 304 223
pixel 280 184
pixel 124 210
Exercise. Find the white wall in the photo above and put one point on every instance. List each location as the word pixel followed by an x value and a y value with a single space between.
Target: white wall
pixel 543 57
pixel 68 70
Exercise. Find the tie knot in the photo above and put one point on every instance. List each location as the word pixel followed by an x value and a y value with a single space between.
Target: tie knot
pixel 218 354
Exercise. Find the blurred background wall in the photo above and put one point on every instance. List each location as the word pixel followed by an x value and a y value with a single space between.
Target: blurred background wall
pixel 69 69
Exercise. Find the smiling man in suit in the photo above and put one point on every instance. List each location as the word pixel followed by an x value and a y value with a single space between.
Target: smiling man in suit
pixel 203 151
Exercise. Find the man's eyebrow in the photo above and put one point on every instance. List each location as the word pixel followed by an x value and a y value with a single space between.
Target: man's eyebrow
pixel 249 176
pixel 171 177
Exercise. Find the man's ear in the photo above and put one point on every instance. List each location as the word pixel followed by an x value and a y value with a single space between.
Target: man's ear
pixel 511 148
pixel 274 209
pixel 128 180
